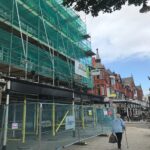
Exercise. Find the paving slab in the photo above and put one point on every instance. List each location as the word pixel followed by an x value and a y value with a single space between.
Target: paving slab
pixel 138 138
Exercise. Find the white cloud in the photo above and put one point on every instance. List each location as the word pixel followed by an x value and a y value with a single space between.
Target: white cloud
pixel 146 91
pixel 121 34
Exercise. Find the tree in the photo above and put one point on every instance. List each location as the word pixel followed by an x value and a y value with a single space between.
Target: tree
pixel 105 6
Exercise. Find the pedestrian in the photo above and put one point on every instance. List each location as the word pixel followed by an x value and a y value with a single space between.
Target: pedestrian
pixel 118 126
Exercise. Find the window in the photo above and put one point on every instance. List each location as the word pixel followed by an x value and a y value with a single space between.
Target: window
pixel 99 92
pixel 108 91
pixel 101 75
pixel 103 92
pixel 112 81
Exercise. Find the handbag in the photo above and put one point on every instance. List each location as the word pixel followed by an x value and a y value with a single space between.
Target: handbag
pixel 112 138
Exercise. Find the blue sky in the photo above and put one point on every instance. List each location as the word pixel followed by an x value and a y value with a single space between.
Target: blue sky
pixel 140 69
pixel 123 40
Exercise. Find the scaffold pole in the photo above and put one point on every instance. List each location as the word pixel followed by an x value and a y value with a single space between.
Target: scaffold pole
pixel 6 117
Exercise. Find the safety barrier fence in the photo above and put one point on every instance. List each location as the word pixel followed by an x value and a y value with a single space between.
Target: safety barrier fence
pixel 50 126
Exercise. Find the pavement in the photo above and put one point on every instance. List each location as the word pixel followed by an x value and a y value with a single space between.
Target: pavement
pixel 138 138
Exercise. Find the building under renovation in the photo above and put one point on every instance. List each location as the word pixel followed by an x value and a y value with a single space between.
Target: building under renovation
pixel 45 63
pixel 43 42
pixel 45 60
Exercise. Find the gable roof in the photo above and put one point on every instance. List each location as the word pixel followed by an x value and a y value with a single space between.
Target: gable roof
pixel 109 71
pixel 128 80
pixel 139 87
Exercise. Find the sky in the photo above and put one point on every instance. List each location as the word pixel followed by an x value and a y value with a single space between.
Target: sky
pixel 123 40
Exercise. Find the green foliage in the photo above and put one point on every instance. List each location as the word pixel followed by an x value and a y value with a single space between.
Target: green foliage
pixel 96 6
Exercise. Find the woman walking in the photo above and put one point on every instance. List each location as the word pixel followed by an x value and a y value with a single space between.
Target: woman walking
pixel 118 126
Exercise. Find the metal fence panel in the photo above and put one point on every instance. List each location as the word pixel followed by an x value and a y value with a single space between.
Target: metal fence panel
pixel 44 126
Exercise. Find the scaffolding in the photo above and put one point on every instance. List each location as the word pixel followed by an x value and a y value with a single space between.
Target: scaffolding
pixel 42 38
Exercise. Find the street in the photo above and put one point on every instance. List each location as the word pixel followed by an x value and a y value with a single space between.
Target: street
pixel 138 137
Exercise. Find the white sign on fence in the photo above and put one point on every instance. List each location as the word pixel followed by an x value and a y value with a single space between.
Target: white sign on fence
pixel 14 126
pixel 105 113
pixel 70 122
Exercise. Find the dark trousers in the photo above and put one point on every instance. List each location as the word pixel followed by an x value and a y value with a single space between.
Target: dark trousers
pixel 119 138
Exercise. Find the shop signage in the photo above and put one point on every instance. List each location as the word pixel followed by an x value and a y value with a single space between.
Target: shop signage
pixel 81 69
pixel 112 95
pixel 95 72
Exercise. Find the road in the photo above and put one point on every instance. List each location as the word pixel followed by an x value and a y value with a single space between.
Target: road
pixel 138 137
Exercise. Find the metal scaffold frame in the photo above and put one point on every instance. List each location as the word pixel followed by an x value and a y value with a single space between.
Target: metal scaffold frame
pixel 46 38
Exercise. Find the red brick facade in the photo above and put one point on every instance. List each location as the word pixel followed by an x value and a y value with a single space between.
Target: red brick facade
pixel 139 93
pixel 110 84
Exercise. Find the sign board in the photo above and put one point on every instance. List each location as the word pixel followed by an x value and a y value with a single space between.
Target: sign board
pixel 106 99
pixel 95 72
pixel 112 95
pixel 70 122
pixel 81 69
pixel 14 126
pixel 90 112
pixel 105 112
